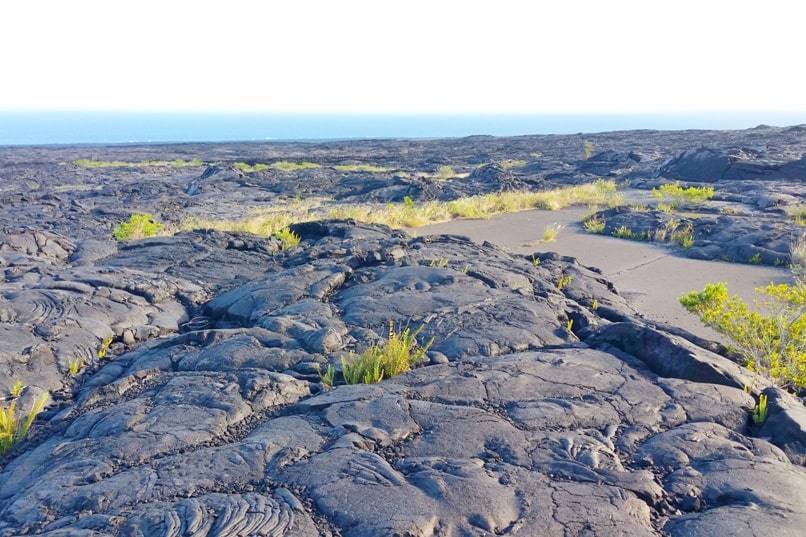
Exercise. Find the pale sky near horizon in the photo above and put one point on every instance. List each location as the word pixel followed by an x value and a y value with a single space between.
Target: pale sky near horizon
pixel 587 56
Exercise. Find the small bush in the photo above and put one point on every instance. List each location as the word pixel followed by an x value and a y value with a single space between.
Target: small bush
pixel 593 224
pixel 771 336
pixel 368 168
pixel 139 226
pixel 446 172
pixel 14 428
pixel 551 232
pixel 399 353
pixel 678 194
pixel 288 238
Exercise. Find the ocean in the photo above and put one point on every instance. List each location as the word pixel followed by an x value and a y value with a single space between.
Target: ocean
pixel 75 127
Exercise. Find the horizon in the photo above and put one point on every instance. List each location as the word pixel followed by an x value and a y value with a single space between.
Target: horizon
pixel 71 127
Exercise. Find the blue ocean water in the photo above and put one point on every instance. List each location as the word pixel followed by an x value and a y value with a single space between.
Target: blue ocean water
pixel 76 127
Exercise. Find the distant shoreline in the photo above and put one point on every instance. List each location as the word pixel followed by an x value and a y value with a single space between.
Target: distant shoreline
pixel 75 128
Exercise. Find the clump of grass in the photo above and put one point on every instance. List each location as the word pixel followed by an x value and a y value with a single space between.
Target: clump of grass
pixel 510 163
pixel 446 172
pixel 139 226
pixel 398 354
pixel 799 215
pixel 551 232
pixel 797 263
pixel 286 166
pixel 13 427
pixel 178 163
pixel 594 224
pixel 623 232
pixel 684 237
pixel 564 281
pixel 74 366
pixel 677 194
pixel 288 238
pixel 368 168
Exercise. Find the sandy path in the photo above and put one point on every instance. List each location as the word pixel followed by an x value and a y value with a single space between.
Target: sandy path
pixel 650 276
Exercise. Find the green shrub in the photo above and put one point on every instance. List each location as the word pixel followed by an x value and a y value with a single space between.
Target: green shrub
pixel 678 194
pixel 14 428
pixel 398 354
pixel 593 224
pixel 139 226
pixel 369 168
pixel 771 336
pixel 288 238
pixel 623 232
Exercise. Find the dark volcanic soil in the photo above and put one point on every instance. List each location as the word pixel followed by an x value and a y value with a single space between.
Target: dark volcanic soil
pixel 546 405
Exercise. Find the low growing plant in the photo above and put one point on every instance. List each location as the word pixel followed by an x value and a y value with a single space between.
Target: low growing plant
pixel 551 232
pixel 139 226
pixel 594 224
pixel 677 194
pixel 398 354
pixel 14 428
pixel 760 410
pixel 288 238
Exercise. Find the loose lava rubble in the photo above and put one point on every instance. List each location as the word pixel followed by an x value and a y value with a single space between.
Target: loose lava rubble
pixel 540 411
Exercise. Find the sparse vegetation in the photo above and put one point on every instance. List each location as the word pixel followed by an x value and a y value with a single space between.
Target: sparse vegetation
pixel 446 172
pixel 369 168
pixel 139 226
pixel 760 410
pixel 74 365
pixel 797 263
pixel 677 195
pixel 178 163
pixel 564 281
pixel 398 354
pixel 623 232
pixel 594 224
pixel 13 427
pixel 771 335
pixel 587 147
pixel 288 238
pixel 510 163
pixel 684 237
pixel 551 232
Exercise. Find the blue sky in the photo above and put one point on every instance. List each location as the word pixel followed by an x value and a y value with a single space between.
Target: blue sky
pixel 414 56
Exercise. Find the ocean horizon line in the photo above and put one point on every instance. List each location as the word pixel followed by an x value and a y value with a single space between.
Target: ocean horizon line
pixel 79 127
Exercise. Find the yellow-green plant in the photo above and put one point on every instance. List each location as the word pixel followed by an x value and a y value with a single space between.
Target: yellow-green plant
pixel 399 353
pixel 74 366
pixel 288 238
pixel 623 232
pixel 178 163
pixel 104 348
pixel 369 168
pixel 328 376
pixel 564 281
pixel 760 410
pixel 587 146
pixel 594 224
pixel 14 428
pixel 771 336
pixel 286 166
pixel 139 226
pixel 446 172
pixel 684 237
pixel 551 232
pixel 677 194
